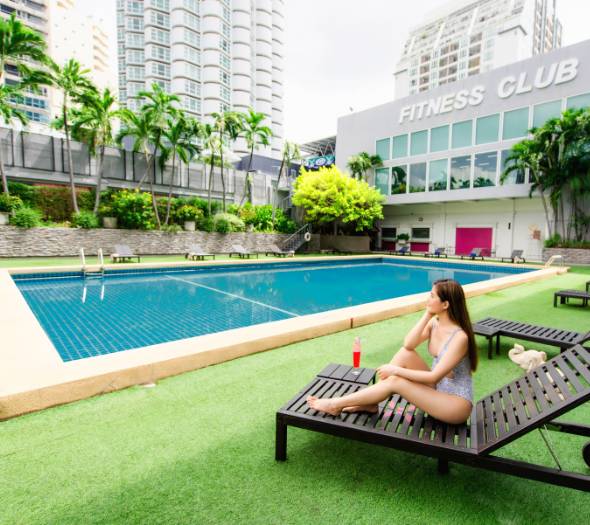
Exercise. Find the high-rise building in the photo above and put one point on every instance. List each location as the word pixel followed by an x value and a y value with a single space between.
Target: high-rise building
pixel 467 37
pixel 216 55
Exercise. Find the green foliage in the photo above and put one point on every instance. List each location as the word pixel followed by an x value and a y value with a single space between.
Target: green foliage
pixel 263 219
pixel 363 162
pixel 9 203
pixel 327 195
pixel 248 214
pixel 26 217
pixel 133 209
pixel 85 219
pixel 206 224
pixel 54 203
pixel 188 213
pixel 403 237
pixel 26 192
pixel 227 220
pixel 86 199
pixel 555 241
pixel 172 228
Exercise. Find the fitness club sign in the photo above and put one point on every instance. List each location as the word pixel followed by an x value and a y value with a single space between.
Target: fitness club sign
pixel 511 85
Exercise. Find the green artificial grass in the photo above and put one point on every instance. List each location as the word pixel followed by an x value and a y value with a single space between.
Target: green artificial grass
pixel 199 448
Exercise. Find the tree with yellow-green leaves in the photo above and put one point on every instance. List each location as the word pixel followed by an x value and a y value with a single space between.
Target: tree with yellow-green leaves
pixel 332 197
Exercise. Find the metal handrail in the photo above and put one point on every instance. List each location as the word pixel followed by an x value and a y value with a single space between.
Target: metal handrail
pixel 294 241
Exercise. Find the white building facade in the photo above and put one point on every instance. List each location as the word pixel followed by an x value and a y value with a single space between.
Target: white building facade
pixel 216 55
pixel 467 37
pixel 444 152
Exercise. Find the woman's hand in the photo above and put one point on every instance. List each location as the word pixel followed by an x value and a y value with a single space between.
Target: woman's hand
pixel 385 371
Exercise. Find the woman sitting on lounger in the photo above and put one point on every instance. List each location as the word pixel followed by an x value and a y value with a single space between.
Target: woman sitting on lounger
pixel 445 391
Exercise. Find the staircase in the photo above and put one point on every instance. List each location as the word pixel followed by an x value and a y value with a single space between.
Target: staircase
pixel 300 237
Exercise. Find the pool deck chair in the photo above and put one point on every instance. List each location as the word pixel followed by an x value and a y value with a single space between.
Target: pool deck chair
pixel 530 403
pixel 240 251
pixel 474 254
pixel 404 250
pixel 196 253
pixel 439 252
pixel 123 253
pixel 275 250
pixel 564 295
pixel 491 327
pixel 515 256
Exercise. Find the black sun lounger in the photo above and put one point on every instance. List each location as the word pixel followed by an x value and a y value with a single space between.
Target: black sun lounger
pixel 491 327
pixel 564 295
pixel 529 403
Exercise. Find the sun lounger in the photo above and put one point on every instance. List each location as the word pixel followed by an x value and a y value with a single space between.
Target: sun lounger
pixel 404 250
pixel 474 254
pixel 123 253
pixel 514 256
pixel 196 253
pixel 439 252
pixel 275 250
pixel 564 295
pixel 519 407
pixel 491 327
pixel 238 249
pixel 588 286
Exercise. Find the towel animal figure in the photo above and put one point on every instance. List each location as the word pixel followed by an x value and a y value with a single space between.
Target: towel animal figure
pixel 529 359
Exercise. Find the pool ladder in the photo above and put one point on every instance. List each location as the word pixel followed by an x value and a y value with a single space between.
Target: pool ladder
pixel 87 274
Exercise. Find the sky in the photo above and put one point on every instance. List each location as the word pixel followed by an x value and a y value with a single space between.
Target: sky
pixel 340 54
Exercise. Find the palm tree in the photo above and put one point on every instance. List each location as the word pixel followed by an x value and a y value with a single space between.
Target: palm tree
pixel 254 133
pixel 225 124
pixel 178 143
pixel 17 43
pixel 72 81
pixel 93 124
pixel 212 146
pixel 363 162
pixel 291 153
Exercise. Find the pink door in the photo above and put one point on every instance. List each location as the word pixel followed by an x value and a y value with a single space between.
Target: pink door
pixel 466 239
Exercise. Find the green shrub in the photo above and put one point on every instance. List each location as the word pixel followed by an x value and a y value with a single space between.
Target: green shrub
pixel 26 192
pixel 10 203
pixel 553 241
pixel 86 199
pixel 26 217
pixel 263 220
pixel 283 224
pixel 172 228
pixel 206 224
pixel 85 219
pixel 188 213
pixel 133 209
pixel 235 224
pixel 54 203
pixel 203 206
pixel 248 214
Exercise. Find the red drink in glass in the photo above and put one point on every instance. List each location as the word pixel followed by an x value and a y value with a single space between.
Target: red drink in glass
pixel 356 352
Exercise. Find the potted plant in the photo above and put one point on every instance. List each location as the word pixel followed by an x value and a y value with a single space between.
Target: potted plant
pixel 108 218
pixel 402 239
pixel 8 204
pixel 189 215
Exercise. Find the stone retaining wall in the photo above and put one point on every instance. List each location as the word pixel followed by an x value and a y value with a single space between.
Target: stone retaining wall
pixel 50 242
pixel 350 243
pixel 570 255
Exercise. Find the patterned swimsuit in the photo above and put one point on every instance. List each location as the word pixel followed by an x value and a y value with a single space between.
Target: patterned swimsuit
pixel 461 384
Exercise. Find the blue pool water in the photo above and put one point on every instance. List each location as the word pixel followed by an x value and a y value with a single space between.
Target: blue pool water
pixel 135 308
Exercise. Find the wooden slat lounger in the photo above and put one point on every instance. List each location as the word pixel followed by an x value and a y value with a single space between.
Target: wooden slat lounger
pixel 519 407
pixel 491 327
pixel 564 295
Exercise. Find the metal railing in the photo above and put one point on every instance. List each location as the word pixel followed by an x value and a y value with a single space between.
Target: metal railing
pixel 300 237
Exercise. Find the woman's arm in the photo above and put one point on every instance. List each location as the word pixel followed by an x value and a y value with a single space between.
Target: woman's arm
pixel 420 332
pixel 453 356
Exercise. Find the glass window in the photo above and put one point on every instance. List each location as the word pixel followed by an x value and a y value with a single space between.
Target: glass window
pixel 515 177
pixel 579 102
pixel 400 146
pixel 543 112
pixel 462 134
pixel 439 138
pixel 437 175
pixel 487 128
pixel 420 234
pixel 382 148
pixel 484 173
pixel 419 143
pixel 516 124
pixel 399 177
pixel 460 172
pixel 418 177
pixel 382 180
pixel 389 234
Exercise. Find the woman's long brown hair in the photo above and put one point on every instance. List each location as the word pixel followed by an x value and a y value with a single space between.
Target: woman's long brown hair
pixel 452 292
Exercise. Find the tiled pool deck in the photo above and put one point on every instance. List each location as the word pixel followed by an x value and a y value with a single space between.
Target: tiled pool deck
pixel 33 376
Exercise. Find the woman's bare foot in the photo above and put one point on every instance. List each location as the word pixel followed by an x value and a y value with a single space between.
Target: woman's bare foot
pixel 323 405
pixel 372 409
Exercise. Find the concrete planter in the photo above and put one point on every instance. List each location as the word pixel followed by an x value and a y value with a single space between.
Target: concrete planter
pixel 4 216
pixel 570 255
pixel 190 226
pixel 109 222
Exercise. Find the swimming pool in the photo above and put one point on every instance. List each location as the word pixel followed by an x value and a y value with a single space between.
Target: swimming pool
pixel 129 309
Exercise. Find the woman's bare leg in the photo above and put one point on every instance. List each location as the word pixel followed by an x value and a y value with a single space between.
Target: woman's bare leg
pixel 404 358
pixel 442 406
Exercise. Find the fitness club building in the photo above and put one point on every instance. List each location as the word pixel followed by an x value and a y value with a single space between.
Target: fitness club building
pixel 445 149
